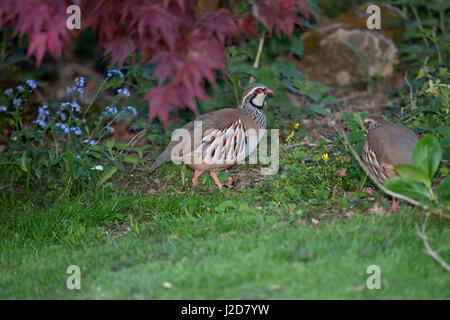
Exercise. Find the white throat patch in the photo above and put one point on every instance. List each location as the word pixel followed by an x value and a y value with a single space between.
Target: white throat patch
pixel 259 99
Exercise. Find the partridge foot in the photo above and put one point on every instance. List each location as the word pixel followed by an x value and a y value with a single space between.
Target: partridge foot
pixel 216 180
pixel 395 205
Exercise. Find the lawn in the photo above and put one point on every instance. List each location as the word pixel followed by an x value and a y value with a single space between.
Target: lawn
pixel 277 238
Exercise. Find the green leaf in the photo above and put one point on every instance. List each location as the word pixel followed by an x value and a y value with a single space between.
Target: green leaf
pixel 22 162
pixel 427 155
pixel 444 190
pixel 300 155
pixel 12 60
pixel 317 108
pixel 411 173
pixel 95 155
pixel 123 146
pixel 106 175
pixel 243 68
pixel 77 169
pixel 140 150
pixel 313 90
pixel 288 70
pixel 132 160
pixel 183 174
pixel 407 188
pixel 96 147
pixel 109 144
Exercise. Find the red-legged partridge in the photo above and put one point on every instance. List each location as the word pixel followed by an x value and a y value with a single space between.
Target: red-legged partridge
pixel 217 140
pixel 387 144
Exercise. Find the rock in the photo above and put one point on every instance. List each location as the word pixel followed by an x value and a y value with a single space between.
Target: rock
pixel 329 61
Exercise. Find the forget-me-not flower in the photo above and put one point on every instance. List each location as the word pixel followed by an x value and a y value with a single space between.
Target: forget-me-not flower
pixel 130 109
pixel 79 82
pixel 32 84
pixel 76 131
pixel 125 92
pixel 91 142
pixel 17 101
pixel 115 72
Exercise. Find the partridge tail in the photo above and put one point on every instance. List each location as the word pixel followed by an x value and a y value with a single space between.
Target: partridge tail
pixel 163 158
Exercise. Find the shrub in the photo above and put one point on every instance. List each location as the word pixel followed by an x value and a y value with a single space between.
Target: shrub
pixel 184 41
pixel 61 147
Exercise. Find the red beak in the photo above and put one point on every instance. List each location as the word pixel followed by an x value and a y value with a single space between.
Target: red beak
pixel 268 91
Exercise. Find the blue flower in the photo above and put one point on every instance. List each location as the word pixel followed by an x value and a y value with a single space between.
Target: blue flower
pixel 110 129
pixel 9 91
pixel 64 127
pixel 41 123
pixel 91 142
pixel 32 84
pixel 125 92
pixel 76 130
pixel 62 115
pixel 20 88
pixel 75 89
pixel 115 72
pixel 111 110
pixel 3 108
pixel 79 82
pixel 43 112
pixel 64 104
pixel 75 106
pixel 130 109
pixel 17 101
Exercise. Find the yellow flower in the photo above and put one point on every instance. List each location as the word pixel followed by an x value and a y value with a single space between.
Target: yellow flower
pixel 297 125
pixel 325 156
pixel 339 158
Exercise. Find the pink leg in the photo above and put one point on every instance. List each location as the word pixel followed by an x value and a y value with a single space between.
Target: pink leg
pixel 194 180
pixel 395 205
pixel 216 180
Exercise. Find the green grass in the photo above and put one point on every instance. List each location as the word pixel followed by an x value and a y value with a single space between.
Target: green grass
pixel 259 242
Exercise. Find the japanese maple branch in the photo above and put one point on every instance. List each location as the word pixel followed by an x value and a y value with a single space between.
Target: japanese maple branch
pixel 428 249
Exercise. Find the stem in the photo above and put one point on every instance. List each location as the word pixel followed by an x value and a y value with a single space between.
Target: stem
pixel 258 56
pixel 416 15
pixel 236 97
pixel 442 19
pixel 94 97
pixel 27 188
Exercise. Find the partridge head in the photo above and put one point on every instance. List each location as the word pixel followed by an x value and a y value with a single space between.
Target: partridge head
pixel 217 140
